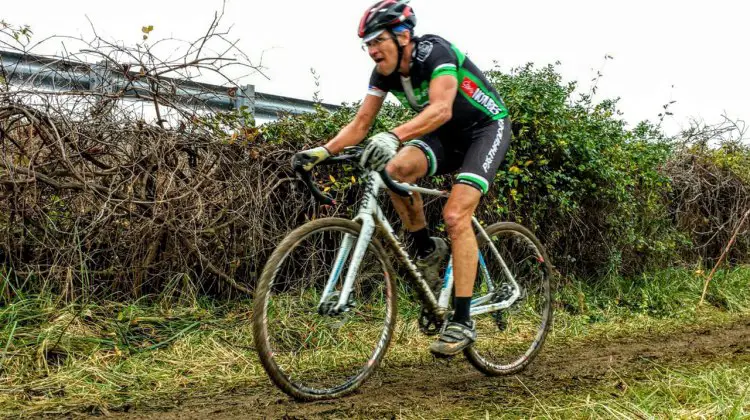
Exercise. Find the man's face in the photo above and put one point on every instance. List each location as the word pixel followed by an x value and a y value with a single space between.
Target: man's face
pixel 383 52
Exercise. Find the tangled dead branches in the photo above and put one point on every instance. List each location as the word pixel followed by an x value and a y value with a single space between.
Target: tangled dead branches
pixel 136 204
pixel 133 182
pixel 711 189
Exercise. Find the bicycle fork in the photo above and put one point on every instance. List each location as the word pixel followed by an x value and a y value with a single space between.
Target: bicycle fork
pixel 365 217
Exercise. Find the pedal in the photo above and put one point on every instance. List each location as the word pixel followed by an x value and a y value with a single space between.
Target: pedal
pixel 428 324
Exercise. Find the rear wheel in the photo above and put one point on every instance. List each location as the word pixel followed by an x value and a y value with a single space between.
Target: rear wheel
pixel 308 353
pixel 509 339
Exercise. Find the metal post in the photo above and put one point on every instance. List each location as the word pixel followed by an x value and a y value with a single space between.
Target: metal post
pixel 246 99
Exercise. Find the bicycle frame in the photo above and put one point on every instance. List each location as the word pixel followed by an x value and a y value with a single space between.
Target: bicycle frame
pixel 371 216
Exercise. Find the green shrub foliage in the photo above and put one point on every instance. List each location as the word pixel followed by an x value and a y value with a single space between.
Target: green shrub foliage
pixel 599 194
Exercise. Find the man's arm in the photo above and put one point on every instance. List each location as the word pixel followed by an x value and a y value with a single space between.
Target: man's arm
pixel 440 110
pixel 357 129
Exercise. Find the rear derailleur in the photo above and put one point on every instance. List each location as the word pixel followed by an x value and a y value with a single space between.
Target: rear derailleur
pixel 503 294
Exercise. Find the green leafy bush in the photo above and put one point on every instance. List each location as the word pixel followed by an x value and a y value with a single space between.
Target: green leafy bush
pixel 596 192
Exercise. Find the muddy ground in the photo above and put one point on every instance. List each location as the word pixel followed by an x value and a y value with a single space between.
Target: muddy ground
pixel 425 390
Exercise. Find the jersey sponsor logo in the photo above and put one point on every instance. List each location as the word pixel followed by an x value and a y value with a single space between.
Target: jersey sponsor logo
pixel 468 86
pixel 424 49
pixel 495 145
pixel 473 90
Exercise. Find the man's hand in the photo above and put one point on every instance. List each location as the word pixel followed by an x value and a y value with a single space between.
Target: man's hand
pixel 379 150
pixel 307 159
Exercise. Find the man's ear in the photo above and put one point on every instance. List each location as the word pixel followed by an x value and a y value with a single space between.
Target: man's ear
pixel 406 36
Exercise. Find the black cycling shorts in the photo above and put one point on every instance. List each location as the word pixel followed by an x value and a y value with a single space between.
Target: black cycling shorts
pixel 475 153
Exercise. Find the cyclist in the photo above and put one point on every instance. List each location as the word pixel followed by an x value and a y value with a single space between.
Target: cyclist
pixel 462 126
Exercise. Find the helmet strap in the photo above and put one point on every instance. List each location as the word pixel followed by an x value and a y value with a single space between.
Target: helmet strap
pixel 400 50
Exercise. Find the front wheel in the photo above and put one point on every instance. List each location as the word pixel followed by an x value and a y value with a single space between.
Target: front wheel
pixel 509 339
pixel 307 352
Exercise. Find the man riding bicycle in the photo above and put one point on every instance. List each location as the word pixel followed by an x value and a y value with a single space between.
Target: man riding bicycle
pixel 462 126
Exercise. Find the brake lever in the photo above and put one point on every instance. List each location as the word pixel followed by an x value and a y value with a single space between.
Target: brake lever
pixel 320 197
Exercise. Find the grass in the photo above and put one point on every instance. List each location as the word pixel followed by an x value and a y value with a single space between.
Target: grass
pixel 717 390
pixel 103 357
pixel 97 357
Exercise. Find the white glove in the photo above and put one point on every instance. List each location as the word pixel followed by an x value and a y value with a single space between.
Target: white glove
pixel 307 159
pixel 379 150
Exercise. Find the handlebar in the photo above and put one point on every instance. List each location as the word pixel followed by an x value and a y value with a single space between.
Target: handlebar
pixel 350 155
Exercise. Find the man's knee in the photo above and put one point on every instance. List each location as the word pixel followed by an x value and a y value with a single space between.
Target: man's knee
pixel 457 219
pixel 399 170
pixel 408 165
pixel 460 208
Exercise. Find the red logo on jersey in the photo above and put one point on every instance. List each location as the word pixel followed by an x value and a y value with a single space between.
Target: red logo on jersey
pixel 474 92
pixel 468 86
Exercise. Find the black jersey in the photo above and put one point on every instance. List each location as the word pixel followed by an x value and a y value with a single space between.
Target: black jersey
pixel 477 103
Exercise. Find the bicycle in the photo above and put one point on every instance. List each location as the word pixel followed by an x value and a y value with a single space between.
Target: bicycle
pixel 319 338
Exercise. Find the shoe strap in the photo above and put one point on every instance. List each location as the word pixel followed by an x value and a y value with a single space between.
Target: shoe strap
pixel 455 331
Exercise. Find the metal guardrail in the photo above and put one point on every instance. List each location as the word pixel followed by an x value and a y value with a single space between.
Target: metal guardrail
pixel 60 74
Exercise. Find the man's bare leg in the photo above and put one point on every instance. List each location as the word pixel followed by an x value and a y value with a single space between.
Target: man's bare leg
pixel 457 213
pixel 460 332
pixel 409 165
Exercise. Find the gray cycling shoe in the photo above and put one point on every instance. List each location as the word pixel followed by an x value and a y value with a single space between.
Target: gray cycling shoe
pixel 454 339
pixel 430 265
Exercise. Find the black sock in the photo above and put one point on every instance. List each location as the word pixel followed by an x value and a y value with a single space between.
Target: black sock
pixel 422 242
pixel 463 310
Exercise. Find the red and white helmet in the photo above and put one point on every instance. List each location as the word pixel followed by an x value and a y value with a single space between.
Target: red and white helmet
pixel 386 14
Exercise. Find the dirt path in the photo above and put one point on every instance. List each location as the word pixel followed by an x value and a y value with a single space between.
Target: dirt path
pixel 423 389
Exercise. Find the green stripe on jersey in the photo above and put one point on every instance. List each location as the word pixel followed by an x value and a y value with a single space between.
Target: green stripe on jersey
pixel 445 69
pixel 461 56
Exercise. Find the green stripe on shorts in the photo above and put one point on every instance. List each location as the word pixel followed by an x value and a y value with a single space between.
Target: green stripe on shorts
pixel 475 179
pixel 431 159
